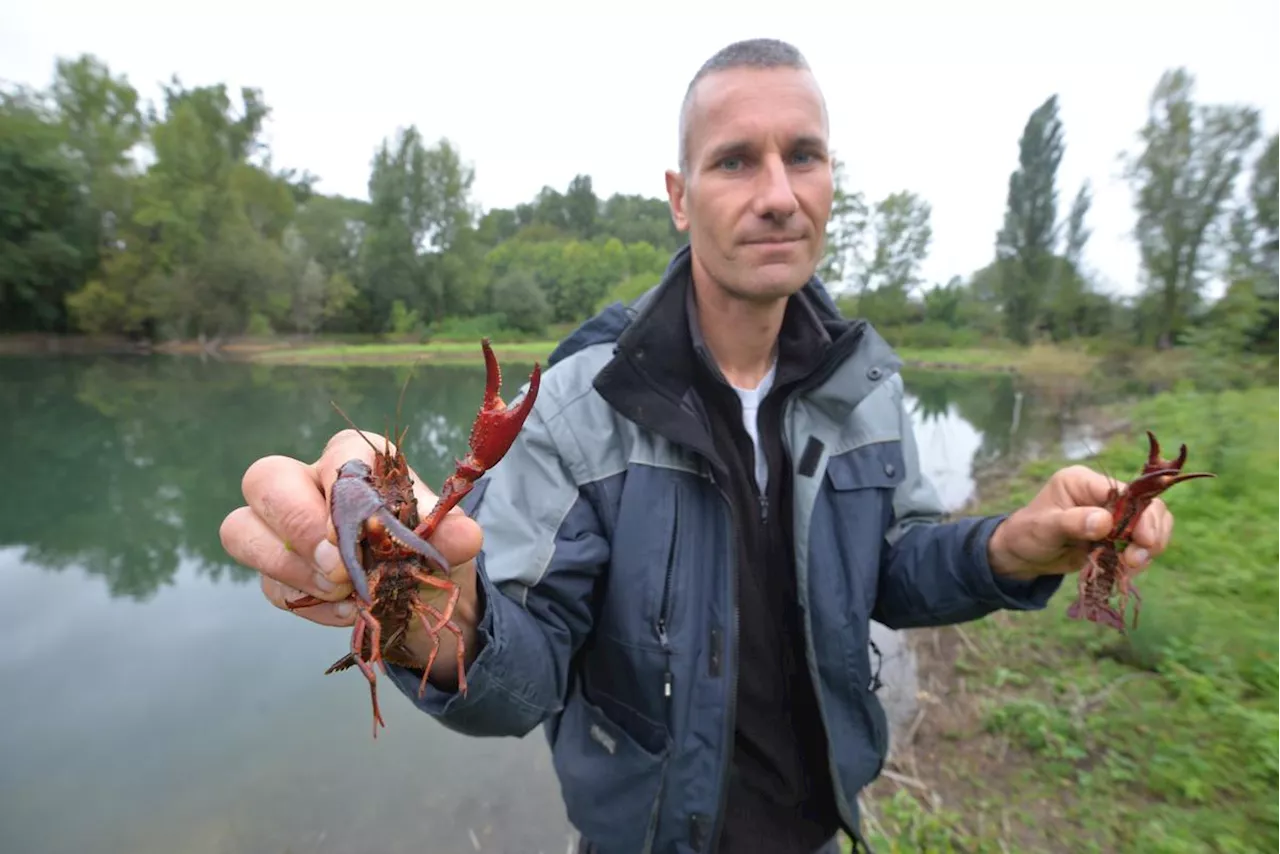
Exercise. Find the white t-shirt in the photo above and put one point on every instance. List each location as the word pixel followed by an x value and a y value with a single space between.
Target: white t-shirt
pixel 751 398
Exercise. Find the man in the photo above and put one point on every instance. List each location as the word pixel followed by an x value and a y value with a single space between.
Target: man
pixel 716 491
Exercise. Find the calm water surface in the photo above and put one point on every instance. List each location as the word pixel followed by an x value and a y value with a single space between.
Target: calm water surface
pixel 153 701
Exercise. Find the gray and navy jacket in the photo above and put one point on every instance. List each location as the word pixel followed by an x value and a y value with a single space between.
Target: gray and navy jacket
pixel 607 584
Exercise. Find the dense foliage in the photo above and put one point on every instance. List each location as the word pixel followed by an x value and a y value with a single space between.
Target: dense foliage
pixel 169 221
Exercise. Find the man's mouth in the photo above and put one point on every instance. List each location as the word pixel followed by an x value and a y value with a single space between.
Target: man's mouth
pixel 767 241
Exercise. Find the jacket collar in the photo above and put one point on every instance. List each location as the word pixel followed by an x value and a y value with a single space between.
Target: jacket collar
pixel 658 348
pixel 665 336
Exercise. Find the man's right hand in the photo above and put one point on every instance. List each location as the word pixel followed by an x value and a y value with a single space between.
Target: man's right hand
pixel 285 534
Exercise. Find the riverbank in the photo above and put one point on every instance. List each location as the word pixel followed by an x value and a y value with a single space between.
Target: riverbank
pixel 1039 360
pixel 1035 360
pixel 1039 733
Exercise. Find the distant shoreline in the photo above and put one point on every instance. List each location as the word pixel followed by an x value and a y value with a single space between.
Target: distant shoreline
pixel 1036 360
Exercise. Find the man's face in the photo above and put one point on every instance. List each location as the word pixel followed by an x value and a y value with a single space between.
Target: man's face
pixel 757 193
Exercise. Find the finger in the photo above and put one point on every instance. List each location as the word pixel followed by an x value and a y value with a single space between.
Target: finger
pixel 327 614
pixel 1085 487
pixel 250 541
pixel 1151 535
pixel 286 497
pixel 1082 524
pixel 1149 532
pixel 457 537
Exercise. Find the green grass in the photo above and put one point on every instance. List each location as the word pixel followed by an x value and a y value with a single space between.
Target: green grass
pixel 1060 735
pixel 1039 359
pixel 1036 360
pixel 454 352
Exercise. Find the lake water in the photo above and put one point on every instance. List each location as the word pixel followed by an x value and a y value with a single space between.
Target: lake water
pixel 153 701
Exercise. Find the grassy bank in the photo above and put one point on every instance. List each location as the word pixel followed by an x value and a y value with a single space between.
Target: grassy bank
pixel 1038 733
pixel 453 352
pixel 1041 360
pixel 1037 360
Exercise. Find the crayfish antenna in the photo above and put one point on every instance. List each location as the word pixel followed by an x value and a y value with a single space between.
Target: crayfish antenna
pixel 360 432
pixel 399 407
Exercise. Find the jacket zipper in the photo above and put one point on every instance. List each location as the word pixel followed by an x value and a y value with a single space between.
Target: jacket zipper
pixel 665 606
pixel 732 713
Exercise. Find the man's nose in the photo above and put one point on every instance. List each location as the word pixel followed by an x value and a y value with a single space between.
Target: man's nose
pixel 774 197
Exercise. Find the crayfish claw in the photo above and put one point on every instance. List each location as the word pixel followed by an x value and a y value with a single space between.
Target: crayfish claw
pixel 1154 461
pixel 496 426
pixel 492 433
pixel 352 502
pixel 492 377
pixel 407 538
pixel 1153 453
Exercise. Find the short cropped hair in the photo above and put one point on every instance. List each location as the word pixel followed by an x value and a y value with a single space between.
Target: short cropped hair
pixel 750 53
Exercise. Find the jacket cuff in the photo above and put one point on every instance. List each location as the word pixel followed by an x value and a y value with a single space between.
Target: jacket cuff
pixel 1003 592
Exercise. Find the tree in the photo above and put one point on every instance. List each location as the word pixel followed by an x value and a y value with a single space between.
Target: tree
pixel 903 234
pixel 419 207
pixel 1182 180
pixel 846 232
pixel 46 241
pixel 1025 243
pixel 104 123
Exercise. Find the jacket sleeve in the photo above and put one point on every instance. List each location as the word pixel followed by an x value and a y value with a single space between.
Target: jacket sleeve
pixel 936 573
pixel 543 551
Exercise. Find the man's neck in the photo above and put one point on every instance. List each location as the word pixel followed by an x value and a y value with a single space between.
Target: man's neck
pixel 742 336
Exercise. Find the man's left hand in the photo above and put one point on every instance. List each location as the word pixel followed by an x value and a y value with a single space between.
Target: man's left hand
pixel 1051 534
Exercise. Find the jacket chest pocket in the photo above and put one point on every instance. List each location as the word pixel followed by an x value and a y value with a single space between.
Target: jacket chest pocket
pixel 863 484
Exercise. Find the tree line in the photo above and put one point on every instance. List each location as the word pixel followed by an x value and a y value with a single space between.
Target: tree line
pixel 170 221
pixel 1204 183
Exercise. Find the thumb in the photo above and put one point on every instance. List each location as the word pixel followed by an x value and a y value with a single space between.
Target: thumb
pixel 1084 523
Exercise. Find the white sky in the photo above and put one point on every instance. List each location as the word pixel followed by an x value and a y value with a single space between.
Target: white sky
pixel 930 97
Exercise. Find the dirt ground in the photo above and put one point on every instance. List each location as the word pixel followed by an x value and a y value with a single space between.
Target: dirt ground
pixel 971 780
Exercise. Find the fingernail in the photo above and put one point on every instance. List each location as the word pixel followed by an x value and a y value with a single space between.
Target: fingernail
pixel 326 558
pixel 1140 557
pixel 344 609
pixel 1099 521
pixel 320 580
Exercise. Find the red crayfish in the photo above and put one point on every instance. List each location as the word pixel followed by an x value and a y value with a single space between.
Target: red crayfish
pixel 1105 571
pixel 384 543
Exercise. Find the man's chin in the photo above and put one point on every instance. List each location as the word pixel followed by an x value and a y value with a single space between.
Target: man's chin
pixel 770 283
pixel 787 276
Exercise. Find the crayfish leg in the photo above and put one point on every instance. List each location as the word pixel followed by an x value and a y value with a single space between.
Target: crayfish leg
pixel 460 656
pixel 422 611
pixel 306 600
pixel 455 593
pixel 366 622
pixel 1129 589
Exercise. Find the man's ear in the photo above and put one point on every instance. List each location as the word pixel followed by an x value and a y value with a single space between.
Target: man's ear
pixel 676 199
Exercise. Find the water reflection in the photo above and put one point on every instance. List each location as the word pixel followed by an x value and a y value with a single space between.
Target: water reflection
pixel 150 705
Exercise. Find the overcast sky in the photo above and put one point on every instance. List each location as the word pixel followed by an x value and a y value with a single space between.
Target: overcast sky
pixel 929 97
